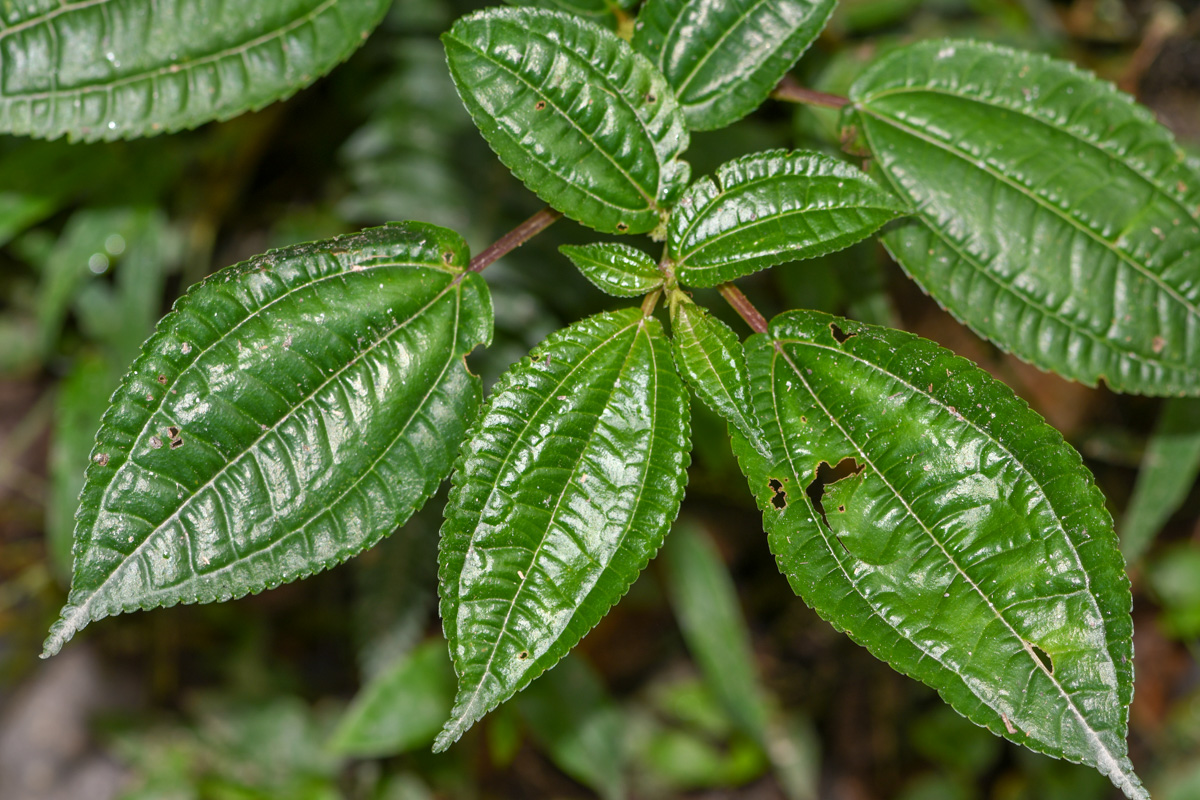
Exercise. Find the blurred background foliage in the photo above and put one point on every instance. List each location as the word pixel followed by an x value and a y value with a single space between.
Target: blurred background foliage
pixel 710 679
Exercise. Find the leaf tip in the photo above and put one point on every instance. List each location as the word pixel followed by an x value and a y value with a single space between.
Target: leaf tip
pixel 61 632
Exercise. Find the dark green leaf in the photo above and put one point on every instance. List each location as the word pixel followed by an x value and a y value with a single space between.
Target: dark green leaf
pixel 401 708
pixel 566 488
pixel 723 57
pixel 771 208
pixel 618 269
pixel 112 69
pixel 581 729
pixel 966 544
pixel 710 357
pixel 586 123
pixel 1168 473
pixel 1057 218
pixel 288 413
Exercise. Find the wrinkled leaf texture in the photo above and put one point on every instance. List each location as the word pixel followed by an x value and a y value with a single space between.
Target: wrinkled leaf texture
pixel 616 269
pixel 117 69
pixel 711 359
pixel 288 413
pixel 771 208
pixel 971 550
pixel 1057 217
pixel 723 57
pixel 581 119
pixel 566 488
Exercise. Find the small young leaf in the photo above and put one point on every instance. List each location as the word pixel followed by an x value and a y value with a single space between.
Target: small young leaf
pixel 710 357
pixel 1056 217
pixel 581 119
pixel 113 69
pixel 1168 473
pixel 618 269
pixel 770 208
pixel 566 488
pixel 967 545
pixel 723 57
pixel 401 708
pixel 289 412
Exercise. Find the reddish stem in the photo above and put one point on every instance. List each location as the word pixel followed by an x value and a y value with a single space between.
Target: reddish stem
pixel 793 92
pixel 742 305
pixel 514 239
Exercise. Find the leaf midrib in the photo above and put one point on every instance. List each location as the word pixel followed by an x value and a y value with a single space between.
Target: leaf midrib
pixel 81 609
pixel 171 68
pixel 651 202
pixel 470 704
pixel 1033 195
pixel 1112 762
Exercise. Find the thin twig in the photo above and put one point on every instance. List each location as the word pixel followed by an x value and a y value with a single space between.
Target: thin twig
pixel 514 239
pixel 742 305
pixel 793 92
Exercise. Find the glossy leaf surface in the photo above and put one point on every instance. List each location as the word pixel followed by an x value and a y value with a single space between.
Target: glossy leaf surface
pixel 771 208
pixel 967 545
pixel 616 269
pixel 401 708
pixel 723 57
pixel 288 413
pixel 1167 475
pixel 1057 218
pixel 711 359
pixel 567 486
pixel 582 120
pixel 111 69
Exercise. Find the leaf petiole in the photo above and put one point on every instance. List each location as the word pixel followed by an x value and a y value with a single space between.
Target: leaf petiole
pixel 514 239
pixel 742 305
pixel 790 91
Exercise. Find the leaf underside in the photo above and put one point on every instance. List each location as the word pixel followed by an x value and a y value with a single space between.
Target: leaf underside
pixel 771 208
pixel 1057 218
pixel 117 69
pixel 723 57
pixel 288 413
pixel 970 550
pixel 614 268
pixel 581 119
pixel 566 488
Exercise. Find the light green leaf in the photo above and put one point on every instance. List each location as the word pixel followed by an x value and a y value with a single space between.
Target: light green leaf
pixel 401 708
pixel 575 721
pixel 291 411
pixel 770 208
pixel 566 488
pixel 1056 217
pixel 116 69
pixel 618 269
pixel 723 57
pixel 711 359
pixel 705 603
pixel 1168 473
pixel 582 120
pixel 967 546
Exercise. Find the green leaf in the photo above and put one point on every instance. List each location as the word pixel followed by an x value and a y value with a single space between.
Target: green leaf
pixel 711 359
pixel 618 269
pixel 723 57
pixel 112 69
pixel 566 488
pixel 599 11
pixel 967 545
pixel 401 708
pixel 706 604
pixel 770 208
pixel 288 413
pixel 582 120
pixel 578 725
pixel 1056 217
pixel 1168 473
